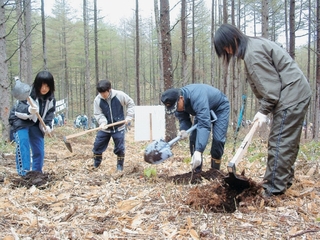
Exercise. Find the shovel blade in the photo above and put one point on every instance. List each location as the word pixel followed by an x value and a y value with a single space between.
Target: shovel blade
pixel 68 145
pixel 237 182
pixel 157 151
pixel 21 90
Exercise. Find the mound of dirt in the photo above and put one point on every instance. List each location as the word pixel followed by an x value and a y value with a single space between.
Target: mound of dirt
pixel 217 195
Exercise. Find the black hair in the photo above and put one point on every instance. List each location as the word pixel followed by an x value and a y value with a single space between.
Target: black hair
pixel 229 36
pixel 103 85
pixel 44 77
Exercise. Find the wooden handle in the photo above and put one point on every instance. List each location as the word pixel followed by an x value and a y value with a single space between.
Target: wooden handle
pixel 243 147
pixel 94 129
pixel 38 115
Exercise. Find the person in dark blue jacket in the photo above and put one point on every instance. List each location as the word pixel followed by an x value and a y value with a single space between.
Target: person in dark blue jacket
pixel 109 106
pixel 27 130
pixel 210 109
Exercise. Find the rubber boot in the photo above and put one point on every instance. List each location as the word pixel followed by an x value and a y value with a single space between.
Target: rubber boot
pixel 215 163
pixel 120 161
pixel 97 159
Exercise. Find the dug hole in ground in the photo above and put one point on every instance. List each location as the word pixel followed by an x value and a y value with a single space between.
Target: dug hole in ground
pixel 71 200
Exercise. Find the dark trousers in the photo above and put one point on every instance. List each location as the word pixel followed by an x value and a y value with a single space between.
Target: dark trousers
pixel 283 147
pixel 102 141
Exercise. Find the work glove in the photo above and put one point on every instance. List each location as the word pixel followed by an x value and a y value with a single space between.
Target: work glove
pixel 196 160
pixel 103 125
pixel 183 134
pixel 33 110
pixel 45 130
pixel 128 120
pixel 261 118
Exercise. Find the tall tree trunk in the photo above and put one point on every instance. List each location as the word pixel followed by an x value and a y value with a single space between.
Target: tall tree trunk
pixel 24 35
pixel 317 110
pixel 96 50
pixel 193 68
pixel 137 54
pixel 184 42
pixel 286 23
pixel 157 20
pixel 212 72
pixel 44 45
pixel 4 80
pixel 292 26
pixel 265 19
pixel 167 62
pixel 87 88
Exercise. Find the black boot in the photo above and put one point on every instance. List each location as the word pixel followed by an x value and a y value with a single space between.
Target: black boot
pixel 97 160
pixel 120 161
pixel 215 163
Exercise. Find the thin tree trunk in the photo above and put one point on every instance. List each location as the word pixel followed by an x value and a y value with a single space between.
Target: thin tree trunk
pixel 183 42
pixel 265 19
pixel 167 61
pixel 316 114
pixel 157 19
pixel 44 45
pixel 96 49
pixel 292 24
pixel 137 54
pixel 87 92
pixel 4 80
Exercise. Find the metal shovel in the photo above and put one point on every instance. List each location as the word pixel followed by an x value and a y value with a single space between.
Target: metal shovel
pixel 21 92
pixel 237 181
pixel 68 144
pixel 159 150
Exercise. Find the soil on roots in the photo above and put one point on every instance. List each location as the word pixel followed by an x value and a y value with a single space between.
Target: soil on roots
pixel 216 195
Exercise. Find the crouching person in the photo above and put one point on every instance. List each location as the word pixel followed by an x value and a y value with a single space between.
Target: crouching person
pixel 108 107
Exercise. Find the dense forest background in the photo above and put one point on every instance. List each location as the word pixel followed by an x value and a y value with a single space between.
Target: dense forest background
pixel 145 56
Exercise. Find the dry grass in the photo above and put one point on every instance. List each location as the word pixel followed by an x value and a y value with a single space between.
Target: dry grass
pixel 79 202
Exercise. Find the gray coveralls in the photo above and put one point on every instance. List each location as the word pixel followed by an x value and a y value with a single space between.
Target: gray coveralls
pixel 282 90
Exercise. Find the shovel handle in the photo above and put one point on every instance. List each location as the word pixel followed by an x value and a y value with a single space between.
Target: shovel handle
pixel 94 129
pixel 242 149
pixel 38 115
pixel 179 137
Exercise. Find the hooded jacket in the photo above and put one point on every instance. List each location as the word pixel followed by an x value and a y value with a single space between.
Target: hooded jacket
pixel 20 117
pixel 110 110
pixel 275 78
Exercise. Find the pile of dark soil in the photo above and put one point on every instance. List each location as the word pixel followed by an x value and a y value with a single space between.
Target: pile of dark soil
pixel 217 196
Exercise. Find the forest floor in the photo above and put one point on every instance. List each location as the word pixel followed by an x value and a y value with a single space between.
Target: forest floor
pixel 72 200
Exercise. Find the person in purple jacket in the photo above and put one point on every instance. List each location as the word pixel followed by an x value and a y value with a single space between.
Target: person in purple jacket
pixel 210 109
pixel 282 90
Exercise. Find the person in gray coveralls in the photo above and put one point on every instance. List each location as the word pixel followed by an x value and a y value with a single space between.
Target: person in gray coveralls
pixel 282 90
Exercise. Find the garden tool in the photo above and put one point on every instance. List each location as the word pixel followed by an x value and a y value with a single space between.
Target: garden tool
pixel 159 150
pixel 237 181
pixel 68 145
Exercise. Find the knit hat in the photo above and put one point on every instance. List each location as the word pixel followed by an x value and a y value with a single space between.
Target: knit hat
pixel 170 99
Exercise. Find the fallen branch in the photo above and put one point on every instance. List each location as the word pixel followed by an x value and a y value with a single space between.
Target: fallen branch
pixel 303 232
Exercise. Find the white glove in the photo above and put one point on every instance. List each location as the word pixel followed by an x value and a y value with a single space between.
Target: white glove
pixel 128 120
pixel 45 130
pixel 261 118
pixel 183 134
pixel 196 160
pixel 103 125
pixel 33 110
